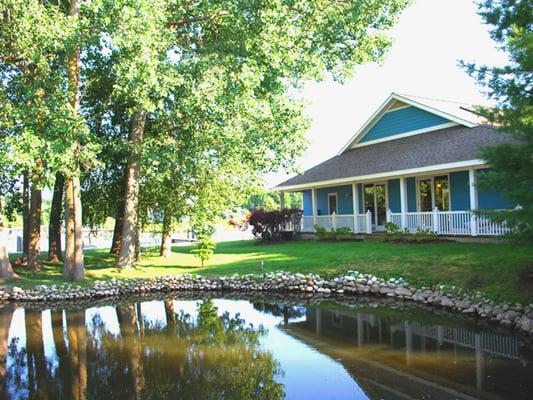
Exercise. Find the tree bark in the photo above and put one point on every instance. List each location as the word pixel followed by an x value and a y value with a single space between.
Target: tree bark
pixel 166 243
pixel 54 228
pixel 131 215
pixel 117 233
pixel 34 245
pixel 6 270
pixel 137 257
pixel 25 214
pixel 74 262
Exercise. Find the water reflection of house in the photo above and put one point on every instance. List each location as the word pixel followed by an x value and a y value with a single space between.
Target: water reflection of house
pixel 394 358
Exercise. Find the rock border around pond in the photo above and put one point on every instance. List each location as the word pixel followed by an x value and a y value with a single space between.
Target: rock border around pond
pixel 517 317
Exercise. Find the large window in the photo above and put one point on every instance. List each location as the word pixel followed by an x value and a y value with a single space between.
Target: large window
pixel 434 192
pixel 442 193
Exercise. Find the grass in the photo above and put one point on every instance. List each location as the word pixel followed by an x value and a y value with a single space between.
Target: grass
pixel 494 269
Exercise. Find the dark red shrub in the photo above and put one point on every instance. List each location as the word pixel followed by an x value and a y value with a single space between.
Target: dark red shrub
pixel 271 225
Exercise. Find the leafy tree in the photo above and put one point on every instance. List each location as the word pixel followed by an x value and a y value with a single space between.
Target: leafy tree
pixel 511 86
pixel 240 57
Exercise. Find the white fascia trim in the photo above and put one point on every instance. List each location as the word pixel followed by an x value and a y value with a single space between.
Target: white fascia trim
pixel 380 111
pixel 407 134
pixel 448 167
pixel 438 112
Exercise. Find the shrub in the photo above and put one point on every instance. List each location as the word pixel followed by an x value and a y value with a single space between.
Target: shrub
pixel 333 234
pixel 393 233
pixel 272 225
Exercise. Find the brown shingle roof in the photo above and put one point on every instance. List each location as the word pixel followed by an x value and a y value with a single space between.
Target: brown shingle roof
pixel 444 146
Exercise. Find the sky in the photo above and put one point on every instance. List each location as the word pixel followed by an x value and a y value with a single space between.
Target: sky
pixel 430 38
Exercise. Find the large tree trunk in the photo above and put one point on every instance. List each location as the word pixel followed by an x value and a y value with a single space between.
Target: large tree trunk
pixel 74 262
pixel 34 245
pixel 25 214
pixel 166 242
pixel 37 370
pixel 77 338
pixel 131 215
pixel 6 270
pixel 54 228
pixel 117 233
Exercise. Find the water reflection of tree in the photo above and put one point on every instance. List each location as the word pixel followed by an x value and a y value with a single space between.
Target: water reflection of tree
pixel 207 357
pixel 216 357
pixel 278 310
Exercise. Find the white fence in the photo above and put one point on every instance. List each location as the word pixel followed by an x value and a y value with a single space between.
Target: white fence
pixel 441 222
pixel 358 223
pixel 448 223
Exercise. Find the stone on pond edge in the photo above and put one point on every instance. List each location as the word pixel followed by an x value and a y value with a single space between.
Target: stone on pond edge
pixel 517 317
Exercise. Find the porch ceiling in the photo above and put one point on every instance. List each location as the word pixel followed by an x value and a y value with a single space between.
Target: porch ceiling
pixel 449 145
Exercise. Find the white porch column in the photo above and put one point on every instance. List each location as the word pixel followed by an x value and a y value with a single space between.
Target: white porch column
pixel 355 199
pixel 436 222
pixel 473 200
pixel 403 202
pixel 313 202
pixel 281 200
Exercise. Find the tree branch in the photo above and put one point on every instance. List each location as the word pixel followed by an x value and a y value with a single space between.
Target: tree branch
pixel 186 21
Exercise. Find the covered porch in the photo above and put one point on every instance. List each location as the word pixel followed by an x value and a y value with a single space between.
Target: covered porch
pixel 437 201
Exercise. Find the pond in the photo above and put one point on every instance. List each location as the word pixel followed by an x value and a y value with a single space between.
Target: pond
pixel 255 348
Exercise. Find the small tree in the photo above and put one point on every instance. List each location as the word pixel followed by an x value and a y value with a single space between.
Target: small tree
pixel 206 245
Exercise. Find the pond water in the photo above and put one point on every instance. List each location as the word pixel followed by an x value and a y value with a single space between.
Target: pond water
pixel 228 348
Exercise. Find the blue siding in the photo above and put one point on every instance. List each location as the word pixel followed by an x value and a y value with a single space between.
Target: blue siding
pixel 393 192
pixel 401 121
pixel 491 200
pixel 344 198
pixel 411 194
pixel 460 191
pixel 307 198
pixel 360 196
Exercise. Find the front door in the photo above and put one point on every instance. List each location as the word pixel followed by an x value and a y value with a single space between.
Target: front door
pixel 376 201
pixel 332 203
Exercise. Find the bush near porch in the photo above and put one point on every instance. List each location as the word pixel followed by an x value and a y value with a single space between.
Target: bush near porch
pixel 501 271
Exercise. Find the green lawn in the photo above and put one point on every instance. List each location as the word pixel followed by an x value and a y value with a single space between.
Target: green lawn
pixel 495 269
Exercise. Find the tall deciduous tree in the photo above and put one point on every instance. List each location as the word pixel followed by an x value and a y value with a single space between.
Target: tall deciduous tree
pixel 74 260
pixel 241 56
pixel 511 86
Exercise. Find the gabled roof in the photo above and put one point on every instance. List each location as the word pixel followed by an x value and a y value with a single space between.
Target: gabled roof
pixel 457 144
pixel 455 112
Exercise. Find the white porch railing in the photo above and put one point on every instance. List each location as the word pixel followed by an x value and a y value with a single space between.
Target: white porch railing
pixel 441 222
pixel 448 223
pixel 358 223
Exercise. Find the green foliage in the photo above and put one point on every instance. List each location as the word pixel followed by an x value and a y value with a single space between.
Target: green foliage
pixel 511 87
pixel 394 234
pixel 333 234
pixel 269 200
pixel 205 247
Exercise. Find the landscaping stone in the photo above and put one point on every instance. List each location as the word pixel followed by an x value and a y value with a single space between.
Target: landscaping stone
pixel 516 316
